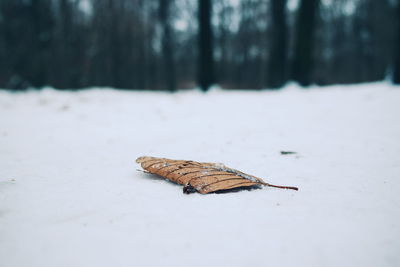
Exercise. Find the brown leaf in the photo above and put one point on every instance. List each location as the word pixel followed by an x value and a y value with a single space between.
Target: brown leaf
pixel 202 177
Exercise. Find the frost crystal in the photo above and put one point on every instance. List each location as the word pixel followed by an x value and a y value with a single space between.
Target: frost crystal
pixel 222 167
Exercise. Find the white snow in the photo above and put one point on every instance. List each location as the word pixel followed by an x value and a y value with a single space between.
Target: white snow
pixel 71 195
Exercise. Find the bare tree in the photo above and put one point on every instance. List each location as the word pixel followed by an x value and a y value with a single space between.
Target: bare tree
pixel 304 42
pixel 28 35
pixel 278 52
pixel 168 71
pixel 396 74
pixel 205 58
pixel 138 44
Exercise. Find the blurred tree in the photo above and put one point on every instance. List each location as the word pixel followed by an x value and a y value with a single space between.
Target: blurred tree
pixel 64 46
pixel 121 46
pixel 205 58
pixel 3 42
pixel 354 42
pixel 168 71
pixel 69 46
pixel 223 41
pixel 364 38
pixel 27 31
pixel 246 46
pixel 278 52
pixel 185 43
pixel 396 74
pixel 302 66
pixel 139 44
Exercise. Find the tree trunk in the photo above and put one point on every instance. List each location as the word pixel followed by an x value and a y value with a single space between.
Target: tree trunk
pixel 304 42
pixel 396 74
pixel 278 53
pixel 205 58
pixel 168 72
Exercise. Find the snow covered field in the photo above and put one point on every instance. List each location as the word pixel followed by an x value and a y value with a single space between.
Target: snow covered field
pixel 70 194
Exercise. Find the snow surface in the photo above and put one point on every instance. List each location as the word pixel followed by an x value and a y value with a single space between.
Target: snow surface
pixel 70 194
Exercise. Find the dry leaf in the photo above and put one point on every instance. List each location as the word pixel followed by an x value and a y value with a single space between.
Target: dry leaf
pixel 202 177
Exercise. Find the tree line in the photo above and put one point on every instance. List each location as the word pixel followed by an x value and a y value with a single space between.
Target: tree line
pixel 170 44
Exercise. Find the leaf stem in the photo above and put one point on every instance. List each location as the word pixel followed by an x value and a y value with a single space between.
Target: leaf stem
pixel 282 187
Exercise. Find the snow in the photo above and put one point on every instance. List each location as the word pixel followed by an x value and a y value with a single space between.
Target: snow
pixel 71 195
